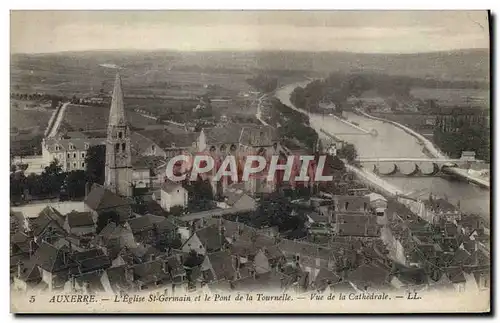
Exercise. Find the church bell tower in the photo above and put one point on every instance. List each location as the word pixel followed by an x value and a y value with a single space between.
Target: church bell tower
pixel 118 156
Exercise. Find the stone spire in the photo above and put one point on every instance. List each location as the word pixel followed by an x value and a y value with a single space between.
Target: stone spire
pixel 117 111
pixel 118 172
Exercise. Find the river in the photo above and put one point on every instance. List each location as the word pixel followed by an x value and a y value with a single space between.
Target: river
pixel 394 142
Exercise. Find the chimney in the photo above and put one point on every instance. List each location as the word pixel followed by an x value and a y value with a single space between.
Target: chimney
pixel 129 274
pixel 73 283
pixel 87 189
pixel 181 258
pixel 19 269
pixel 31 251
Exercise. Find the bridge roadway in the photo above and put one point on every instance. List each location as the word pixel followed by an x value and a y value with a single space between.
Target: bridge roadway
pixel 454 170
pixel 412 159
pixel 374 181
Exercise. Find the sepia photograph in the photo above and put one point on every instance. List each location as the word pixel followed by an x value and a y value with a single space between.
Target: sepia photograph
pixel 212 161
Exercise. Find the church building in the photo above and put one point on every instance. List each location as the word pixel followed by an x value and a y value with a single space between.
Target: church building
pixel 118 178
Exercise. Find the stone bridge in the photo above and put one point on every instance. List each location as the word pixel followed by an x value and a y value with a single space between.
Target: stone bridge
pixel 411 166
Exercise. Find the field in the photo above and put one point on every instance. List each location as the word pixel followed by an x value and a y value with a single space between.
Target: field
pixel 27 119
pixel 479 97
pixel 167 82
pixel 84 75
pixel 167 73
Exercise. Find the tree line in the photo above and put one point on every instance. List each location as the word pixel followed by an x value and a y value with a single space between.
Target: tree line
pixel 263 83
pixel 467 137
pixel 338 87
pixel 54 183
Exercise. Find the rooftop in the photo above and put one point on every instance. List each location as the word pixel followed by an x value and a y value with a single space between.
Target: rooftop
pixel 101 198
pixel 167 140
pixel 79 219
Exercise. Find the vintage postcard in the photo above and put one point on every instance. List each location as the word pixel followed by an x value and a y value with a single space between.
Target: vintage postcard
pixel 250 162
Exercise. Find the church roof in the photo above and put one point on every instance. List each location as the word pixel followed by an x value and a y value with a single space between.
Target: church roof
pixel 245 134
pixel 166 139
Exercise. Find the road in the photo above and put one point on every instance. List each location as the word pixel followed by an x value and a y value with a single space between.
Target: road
pixel 59 115
pixel 258 115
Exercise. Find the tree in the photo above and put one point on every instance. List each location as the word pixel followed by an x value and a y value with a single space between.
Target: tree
pixel 52 178
pixel 17 185
pixel 193 259
pixel 276 210
pixel 53 169
pixel 96 162
pixel 176 210
pixel 348 151
pixel 75 184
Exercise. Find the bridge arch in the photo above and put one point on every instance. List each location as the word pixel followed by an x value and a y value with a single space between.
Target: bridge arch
pixel 435 169
pixel 392 172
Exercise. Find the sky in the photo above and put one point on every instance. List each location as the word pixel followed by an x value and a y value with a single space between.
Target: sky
pixel 352 31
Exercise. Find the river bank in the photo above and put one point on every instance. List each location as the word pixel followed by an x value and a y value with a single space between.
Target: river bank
pixel 393 141
pixel 429 148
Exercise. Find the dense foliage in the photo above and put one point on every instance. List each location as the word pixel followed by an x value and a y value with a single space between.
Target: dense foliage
pixel 293 125
pixel 466 138
pixel 263 83
pixel 338 87
pixel 95 161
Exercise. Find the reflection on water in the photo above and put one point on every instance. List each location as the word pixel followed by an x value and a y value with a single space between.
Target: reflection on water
pixel 394 142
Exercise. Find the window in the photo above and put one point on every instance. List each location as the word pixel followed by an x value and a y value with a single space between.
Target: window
pixel 123 146
pixel 74 165
pixel 69 155
pixel 346 205
pixel 83 164
pixel 74 155
pixel 58 148
pixel 117 148
pixel 71 146
pixel 83 155
pixel 120 135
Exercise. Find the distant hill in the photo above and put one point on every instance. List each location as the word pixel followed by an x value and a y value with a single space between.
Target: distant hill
pixel 73 70
pixel 452 65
